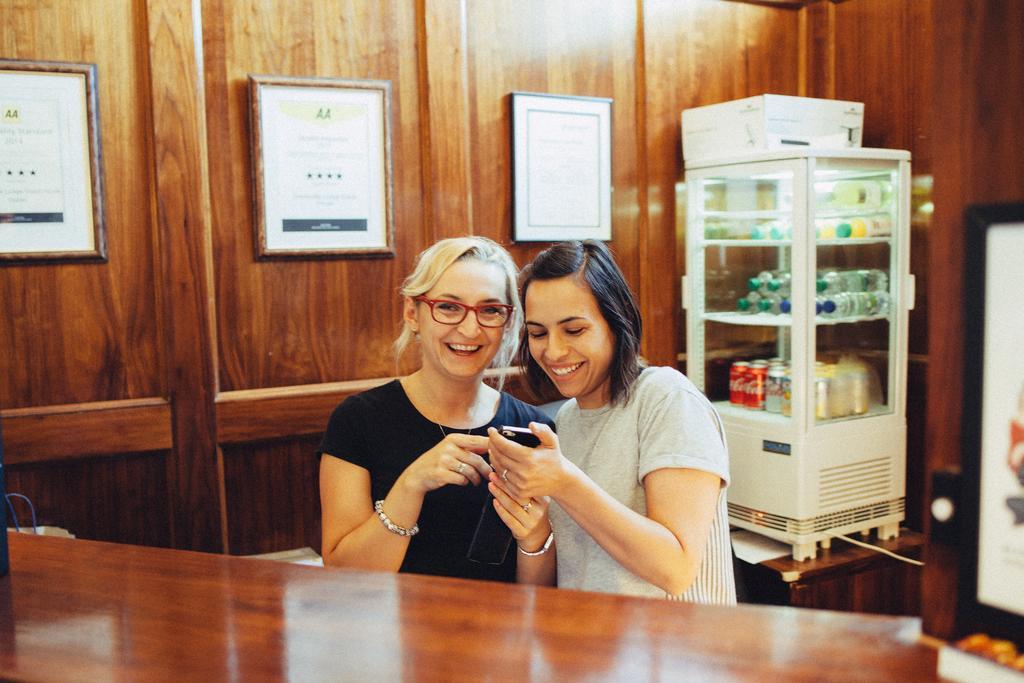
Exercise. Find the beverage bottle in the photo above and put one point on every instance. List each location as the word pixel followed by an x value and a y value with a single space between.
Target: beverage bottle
pixel 843 302
pixel 854 280
pixel 884 302
pixel 771 303
pixel 833 283
pixel 824 305
pixel 876 278
pixel 858 228
pixel 825 229
pixel 879 225
pixel 862 193
pixel 748 303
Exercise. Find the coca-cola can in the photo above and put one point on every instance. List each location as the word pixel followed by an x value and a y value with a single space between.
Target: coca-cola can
pixel 757 379
pixel 738 382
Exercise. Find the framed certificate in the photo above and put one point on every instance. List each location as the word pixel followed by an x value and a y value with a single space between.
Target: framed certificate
pixel 322 167
pixel 561 167
pixel 51 199
pixel 992 524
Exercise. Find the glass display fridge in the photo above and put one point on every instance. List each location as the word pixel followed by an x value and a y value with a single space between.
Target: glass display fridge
pixel 797 291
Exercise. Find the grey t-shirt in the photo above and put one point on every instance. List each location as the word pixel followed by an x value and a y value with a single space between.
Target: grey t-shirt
pixel 667 422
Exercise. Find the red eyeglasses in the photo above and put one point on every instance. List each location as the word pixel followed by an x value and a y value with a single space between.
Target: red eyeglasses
pixel 452 312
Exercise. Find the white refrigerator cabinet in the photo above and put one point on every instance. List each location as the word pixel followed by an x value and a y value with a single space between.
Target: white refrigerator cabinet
pixel 797 264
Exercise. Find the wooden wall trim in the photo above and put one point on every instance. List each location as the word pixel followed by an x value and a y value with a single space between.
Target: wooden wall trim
pixel 183 221
pixel 85 430
pixel 282 412
pixel 251 415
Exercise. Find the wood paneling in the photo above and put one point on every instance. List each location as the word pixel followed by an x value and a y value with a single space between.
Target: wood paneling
pixel 564 48
pixel 120 498
pixel 89 332
pixel 282 412
pixel 696 53
pixel 273 496
pixel 978 59
pixel 183 218
pixel 293 322
pixel 85 429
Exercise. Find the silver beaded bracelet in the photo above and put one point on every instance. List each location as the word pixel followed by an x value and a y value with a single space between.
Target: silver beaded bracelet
pixel 391 526
pixel 543 548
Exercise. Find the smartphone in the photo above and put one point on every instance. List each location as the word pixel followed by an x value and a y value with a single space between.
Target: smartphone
pixel 492 538
pixel 521 435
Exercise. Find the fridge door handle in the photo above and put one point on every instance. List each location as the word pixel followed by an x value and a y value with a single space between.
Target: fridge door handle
pixel 685 292
pixel 911 291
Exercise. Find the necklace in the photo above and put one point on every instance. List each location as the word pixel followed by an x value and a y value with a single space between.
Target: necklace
pixel 444 433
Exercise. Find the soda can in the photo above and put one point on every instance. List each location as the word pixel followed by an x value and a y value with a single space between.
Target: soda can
pixel 787 394
pixel 738 382
pixel 773 389
pixel 757 379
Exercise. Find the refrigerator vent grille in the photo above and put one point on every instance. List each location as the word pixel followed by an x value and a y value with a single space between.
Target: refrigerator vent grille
pixel 826 522
pixel 856 483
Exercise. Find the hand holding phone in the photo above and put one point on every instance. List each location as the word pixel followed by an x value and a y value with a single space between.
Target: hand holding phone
pixel 492 537
pixel 521 435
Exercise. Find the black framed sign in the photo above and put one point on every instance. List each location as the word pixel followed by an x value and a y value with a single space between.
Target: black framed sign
pixel 991 588
pixel 561 167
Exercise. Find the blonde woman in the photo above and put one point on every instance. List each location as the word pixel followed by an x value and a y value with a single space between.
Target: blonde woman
pixel 403 470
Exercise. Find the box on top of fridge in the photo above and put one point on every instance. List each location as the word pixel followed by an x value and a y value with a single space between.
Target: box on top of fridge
pixel 765 122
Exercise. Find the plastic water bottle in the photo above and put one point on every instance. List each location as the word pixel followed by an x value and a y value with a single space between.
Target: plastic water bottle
pixel 748 303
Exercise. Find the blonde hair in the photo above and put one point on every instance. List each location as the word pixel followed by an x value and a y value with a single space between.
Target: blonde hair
pixel 432 263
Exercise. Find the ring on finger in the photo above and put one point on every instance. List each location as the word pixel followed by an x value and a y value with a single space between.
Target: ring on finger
pixel 526 508
pixel 504 476
pixel 461 468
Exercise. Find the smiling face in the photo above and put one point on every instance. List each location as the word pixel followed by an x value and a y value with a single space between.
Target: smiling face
pixel 465 350
pixel 570 339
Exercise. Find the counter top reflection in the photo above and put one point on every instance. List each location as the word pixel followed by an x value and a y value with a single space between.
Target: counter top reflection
pixel 83 610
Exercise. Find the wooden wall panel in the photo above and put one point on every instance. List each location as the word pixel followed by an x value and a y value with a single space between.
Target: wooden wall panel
pixel 695 53
pixel 978 60
pixel 121 499
pixel 293 322
pixel 82 366
pixel 273 496
pixel 564 48
pixel 881 54
pixel 89 332
pixel 183 220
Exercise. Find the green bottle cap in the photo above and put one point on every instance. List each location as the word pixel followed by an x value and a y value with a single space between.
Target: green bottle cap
pixel 764 304
pixel 754 284
pixel 821 285
pixel 743 304
pixel 843 230
pixel 773 285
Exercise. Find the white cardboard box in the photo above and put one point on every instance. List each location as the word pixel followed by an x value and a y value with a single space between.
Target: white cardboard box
pixel 767 122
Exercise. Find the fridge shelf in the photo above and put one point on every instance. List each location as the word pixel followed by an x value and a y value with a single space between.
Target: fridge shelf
pixel 747 243
pixel 782 319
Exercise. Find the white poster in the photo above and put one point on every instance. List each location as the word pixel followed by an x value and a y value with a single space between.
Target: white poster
pixel 562 151
pixel 323 169
pixel 46 199
pixel 1001 505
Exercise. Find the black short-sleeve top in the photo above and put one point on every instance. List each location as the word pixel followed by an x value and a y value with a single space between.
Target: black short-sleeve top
pixel 381 431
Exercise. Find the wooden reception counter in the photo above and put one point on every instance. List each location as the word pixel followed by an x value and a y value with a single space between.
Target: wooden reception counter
pixel 82 610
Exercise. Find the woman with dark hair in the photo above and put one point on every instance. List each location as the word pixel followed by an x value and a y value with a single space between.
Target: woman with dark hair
pixel 638 471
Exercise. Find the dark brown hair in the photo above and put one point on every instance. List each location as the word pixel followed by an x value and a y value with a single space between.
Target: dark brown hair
pixel 592 264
